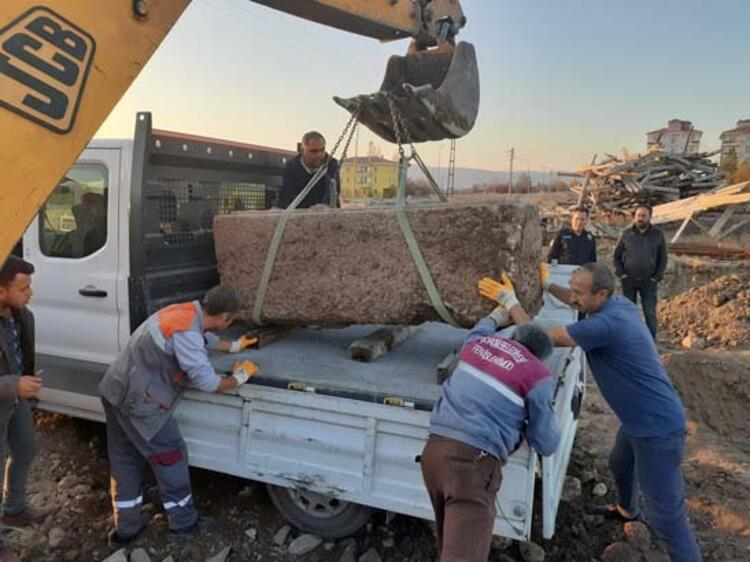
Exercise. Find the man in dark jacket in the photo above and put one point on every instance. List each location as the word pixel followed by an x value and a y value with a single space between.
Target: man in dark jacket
pixel 18 383
pixel 574 245
pixel 300 170
pixel 640 262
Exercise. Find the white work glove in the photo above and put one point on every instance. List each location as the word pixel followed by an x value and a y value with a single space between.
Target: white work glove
pixel 501 291
pixel 242 343
pixel 500 316
pixel 241 372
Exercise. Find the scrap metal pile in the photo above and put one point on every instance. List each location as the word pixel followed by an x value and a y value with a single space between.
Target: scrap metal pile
pixel 618 184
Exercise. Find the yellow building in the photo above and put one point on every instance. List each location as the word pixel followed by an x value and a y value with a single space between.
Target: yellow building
pixel 368 177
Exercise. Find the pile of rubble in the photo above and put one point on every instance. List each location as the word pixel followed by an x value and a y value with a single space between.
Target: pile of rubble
pixel 714 315
pixel 618 184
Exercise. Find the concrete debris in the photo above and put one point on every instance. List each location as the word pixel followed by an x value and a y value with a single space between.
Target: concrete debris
pixel 251 534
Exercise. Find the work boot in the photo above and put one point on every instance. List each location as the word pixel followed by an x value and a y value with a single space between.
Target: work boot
pixel 7 555
pixel 27 517
pixel 116 539
pixel 178 537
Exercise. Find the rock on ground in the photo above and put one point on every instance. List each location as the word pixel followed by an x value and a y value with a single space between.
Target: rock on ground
pixel 56 537
pixel 221 556
pixel 637 535
pixel 353 266
pixel 371 555
pixel 572 489
pixel 139 555
pixel 281 535
pixel 117 556
pixel 620 552
pixel 304 544
pixel 531 552
pixel 349 553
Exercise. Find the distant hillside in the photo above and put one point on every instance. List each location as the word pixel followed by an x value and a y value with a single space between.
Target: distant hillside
pixel 467 177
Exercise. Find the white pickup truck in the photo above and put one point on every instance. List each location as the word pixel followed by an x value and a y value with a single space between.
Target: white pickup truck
pixel 128 230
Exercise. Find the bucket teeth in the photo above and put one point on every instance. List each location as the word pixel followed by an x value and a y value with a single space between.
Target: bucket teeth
pixel 435 92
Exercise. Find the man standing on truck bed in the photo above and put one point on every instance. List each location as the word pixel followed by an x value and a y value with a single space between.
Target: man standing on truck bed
pixel 18 383
pixel 140 391
pixel 648 451
pixel 499 393
pixel 300 170
pixel 640 263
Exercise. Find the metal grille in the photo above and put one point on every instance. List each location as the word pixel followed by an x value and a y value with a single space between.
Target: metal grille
pixel 180 209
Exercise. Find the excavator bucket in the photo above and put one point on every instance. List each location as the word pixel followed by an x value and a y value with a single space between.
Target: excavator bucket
pixel 436 93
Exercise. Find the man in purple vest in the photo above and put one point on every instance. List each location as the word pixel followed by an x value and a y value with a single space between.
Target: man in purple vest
pixel 499 393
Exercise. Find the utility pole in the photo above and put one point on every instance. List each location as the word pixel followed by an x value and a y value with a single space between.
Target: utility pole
pixel 510 182
pixel 451 184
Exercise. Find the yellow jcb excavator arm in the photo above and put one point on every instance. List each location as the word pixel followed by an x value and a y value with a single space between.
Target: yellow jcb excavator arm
pixel 64 64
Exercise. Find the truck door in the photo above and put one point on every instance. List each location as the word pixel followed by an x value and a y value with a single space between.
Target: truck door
pixel 73 244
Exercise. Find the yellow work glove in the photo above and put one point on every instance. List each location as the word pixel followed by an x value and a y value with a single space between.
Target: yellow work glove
pixel 241 372
pixel 500 291
pixel 544 276
pixel 500 316
pixel 242 343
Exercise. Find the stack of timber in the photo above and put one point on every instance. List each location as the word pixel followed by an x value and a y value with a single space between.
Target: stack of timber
pixel 352 266
pixel 618 184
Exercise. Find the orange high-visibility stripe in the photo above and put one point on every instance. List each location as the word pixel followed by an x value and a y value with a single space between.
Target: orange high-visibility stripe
pixel 176 318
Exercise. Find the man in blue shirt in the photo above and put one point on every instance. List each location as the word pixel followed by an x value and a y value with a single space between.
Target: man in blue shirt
pixel 648 451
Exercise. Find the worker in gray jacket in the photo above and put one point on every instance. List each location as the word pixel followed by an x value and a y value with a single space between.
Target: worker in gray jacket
pixel 640 262
pixel 140 391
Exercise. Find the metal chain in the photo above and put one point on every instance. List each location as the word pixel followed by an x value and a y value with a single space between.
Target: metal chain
pixel 397 124
pixel 352 120
pixel 355 120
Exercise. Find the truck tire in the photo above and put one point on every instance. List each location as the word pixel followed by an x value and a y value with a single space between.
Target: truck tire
pixel 324 516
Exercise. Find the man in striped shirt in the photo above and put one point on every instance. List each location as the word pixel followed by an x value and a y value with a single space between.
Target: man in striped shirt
pixel 499 394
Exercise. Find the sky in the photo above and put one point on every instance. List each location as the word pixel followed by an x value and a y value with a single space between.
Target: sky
pixel 561 80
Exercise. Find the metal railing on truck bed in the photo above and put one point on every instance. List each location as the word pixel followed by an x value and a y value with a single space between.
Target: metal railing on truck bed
pixel 179 182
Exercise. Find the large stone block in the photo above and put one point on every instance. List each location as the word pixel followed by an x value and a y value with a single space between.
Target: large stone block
pixel 352 266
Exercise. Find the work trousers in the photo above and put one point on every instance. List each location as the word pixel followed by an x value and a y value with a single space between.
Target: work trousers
pixel 129 453
pixel 648 290
pixel 653 466
pixel 17 449
pixel 462 482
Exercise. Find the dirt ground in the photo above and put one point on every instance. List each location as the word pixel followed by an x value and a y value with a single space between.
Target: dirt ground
pixel 71 471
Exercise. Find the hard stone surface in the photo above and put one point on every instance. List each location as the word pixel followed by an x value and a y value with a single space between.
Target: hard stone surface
pixel 353 266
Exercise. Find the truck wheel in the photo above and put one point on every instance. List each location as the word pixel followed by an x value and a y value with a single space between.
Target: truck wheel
pixel 327 517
